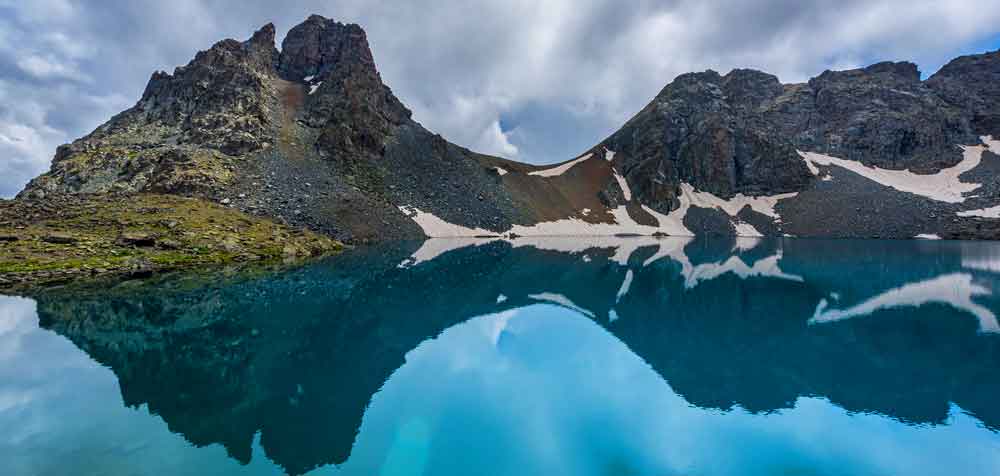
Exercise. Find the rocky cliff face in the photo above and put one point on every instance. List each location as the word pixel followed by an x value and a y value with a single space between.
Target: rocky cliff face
pixel 310 136
pixel 704 129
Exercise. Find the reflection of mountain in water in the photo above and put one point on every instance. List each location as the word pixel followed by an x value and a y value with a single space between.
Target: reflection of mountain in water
pixel 898 328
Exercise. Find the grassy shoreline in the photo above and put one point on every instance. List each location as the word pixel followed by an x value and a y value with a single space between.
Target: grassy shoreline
pixel 67 238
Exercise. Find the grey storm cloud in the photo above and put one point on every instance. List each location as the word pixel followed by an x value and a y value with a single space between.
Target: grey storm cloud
pixel 538 81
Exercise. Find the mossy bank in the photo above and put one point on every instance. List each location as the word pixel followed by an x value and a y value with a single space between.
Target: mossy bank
pixel 62 238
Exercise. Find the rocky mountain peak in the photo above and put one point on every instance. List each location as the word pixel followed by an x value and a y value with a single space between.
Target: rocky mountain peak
pixel 901 73
pixel 261 47
pixel 263 36
pixel 902 70
pixel 750 88
pixel 319 45
pixel 973 82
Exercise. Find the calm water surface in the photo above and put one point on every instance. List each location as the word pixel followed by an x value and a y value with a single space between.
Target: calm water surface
pixel 547 356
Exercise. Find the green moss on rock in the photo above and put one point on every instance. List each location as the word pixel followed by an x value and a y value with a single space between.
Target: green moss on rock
pixel 64 238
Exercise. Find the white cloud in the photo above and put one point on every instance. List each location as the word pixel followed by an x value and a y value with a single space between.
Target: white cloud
pixel 48 68
pixel 28 128
pixel 25 151
pixel 68 46
pixel 495 142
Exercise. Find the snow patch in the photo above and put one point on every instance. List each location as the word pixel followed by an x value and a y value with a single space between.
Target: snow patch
pixel 623 224
pixel 956 290
pixel 671 224
pixel 314 87
pixel 560 169
pixel 927 236
pixel 944 186
pixel 585 212
pixel 309 78
pixel 763 204
pixel 992 212
pixel 609 154
pixel 500 170
pixel 435 227
pixel 501 298
pixel 627 192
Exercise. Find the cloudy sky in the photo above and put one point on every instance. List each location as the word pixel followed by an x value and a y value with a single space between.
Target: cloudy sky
pixel 538 81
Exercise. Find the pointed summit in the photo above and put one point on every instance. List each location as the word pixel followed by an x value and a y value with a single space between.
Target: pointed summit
pixel 318 45
pixel 261 48
pixel 263 36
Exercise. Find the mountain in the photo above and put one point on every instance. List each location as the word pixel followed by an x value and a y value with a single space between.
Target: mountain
pixel 311 137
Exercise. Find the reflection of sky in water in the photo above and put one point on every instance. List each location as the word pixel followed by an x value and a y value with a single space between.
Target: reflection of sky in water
pixel 535 390
pixel 557 394
pixel 61 414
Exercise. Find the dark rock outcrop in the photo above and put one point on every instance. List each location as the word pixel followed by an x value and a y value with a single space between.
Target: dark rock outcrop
pixel 972 83
pixel 309 136
pixel 882 115
pixel 693 132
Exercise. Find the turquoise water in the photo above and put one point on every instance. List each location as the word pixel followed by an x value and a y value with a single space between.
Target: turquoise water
pixel 625 356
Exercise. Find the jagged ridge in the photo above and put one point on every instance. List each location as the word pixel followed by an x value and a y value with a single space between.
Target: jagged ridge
pixel 310 136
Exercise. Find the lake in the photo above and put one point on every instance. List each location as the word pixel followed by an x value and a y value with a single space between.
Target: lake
pixel 588 356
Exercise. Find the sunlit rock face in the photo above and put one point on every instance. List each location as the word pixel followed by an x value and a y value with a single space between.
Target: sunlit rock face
pixel 743 329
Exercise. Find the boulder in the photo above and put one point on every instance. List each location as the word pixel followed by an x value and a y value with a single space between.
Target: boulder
pixel 60 239
pixel 137 239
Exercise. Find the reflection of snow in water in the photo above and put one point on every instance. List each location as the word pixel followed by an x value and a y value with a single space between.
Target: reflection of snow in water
pixel 765 268
pixel 499 324
pixel 612 315
pixel 560 300
pixel 622 291
pixel 623 249
pixel 981 256
pixel 956 290
pixel 434 247
pixel 746 243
